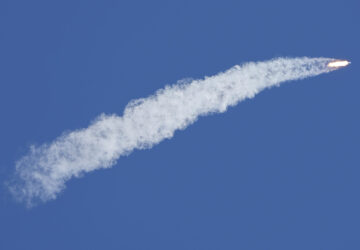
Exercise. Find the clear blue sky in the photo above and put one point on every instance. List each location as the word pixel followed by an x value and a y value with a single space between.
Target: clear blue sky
pixel 280 171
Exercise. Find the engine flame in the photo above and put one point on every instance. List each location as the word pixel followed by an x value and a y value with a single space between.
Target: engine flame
pixel 338 63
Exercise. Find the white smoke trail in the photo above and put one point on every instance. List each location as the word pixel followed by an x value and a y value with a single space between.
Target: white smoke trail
pixel 42 174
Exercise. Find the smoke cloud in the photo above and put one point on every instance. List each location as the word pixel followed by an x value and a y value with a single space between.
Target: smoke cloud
pixel 42 173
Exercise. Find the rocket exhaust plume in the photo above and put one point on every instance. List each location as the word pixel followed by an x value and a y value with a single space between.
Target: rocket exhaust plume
pixel 42 173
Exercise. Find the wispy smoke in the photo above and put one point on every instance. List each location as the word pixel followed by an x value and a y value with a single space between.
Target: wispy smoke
pixel 41 174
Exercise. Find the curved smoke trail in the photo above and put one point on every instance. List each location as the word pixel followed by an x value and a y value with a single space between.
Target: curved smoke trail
pixel 41 174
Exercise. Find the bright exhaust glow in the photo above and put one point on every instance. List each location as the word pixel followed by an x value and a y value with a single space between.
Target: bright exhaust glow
pixel 338 63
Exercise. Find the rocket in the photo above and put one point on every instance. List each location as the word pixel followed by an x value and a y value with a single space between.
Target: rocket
pixel 338 63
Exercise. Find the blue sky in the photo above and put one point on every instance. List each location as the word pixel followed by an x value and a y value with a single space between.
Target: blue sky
pixel 279 171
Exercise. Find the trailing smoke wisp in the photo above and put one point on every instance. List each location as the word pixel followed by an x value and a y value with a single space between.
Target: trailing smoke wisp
pixel 42 173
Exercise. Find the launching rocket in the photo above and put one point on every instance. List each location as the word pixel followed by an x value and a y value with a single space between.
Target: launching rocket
pixel 338 63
